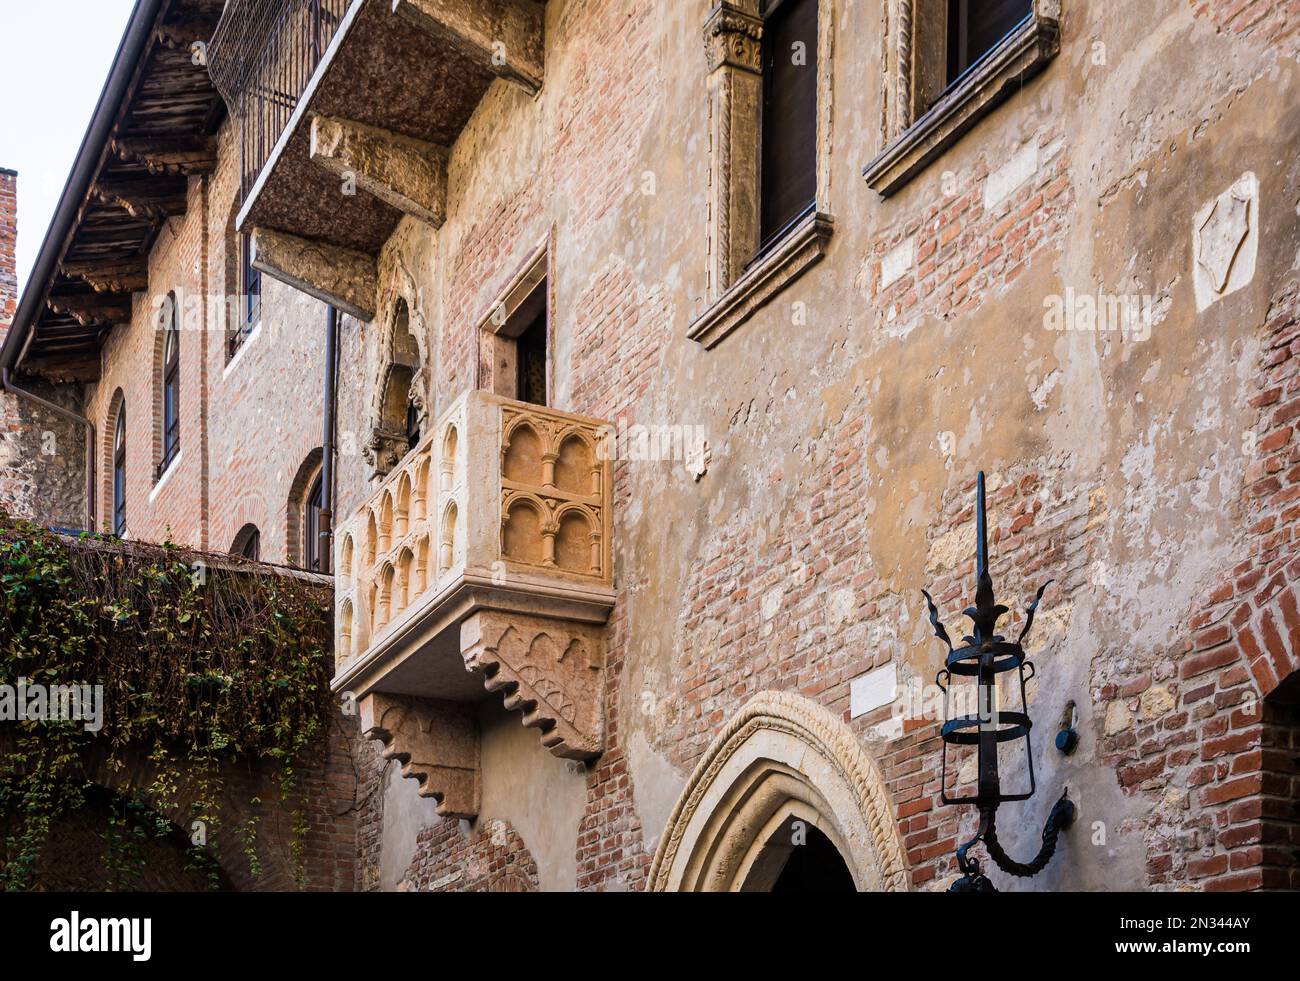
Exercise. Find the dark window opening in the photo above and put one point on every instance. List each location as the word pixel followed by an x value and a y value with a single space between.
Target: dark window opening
pixel 250 303
pixel 248 544
pixel 312 527
pixel 119 475
pixel 412 426
pixel 815 866
pixel 789 148
pixel 171 394
pixel 976 26
pixel 532 350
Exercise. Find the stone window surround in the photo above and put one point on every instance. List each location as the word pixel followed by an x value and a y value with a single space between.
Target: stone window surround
pixel 740 280
pixel 501 325
pixel 915 132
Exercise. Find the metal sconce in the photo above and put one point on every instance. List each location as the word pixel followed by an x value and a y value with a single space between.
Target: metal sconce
pixel 982 658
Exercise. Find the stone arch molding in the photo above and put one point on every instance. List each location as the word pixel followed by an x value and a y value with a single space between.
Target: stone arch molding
pixel 381 449
pixel 782 758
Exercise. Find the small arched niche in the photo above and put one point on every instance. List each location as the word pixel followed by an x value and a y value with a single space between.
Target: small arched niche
pixel 573 542
pixel 402 506
pixel 345 631
pixel 404 592
pixel 521 536
pixel 344 570
pixel 523 458
pixel 573 466
pixel 784 773
pixel 447 538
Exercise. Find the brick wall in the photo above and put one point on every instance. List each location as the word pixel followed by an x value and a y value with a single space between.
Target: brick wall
pixel 249 422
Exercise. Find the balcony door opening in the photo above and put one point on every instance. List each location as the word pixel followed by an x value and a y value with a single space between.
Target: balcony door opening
pixel 515 360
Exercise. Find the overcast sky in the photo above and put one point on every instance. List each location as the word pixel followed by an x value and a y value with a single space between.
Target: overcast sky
pixel 54 59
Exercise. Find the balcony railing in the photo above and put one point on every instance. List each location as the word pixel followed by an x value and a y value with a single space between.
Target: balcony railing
pixel 261 58
pixel 505 495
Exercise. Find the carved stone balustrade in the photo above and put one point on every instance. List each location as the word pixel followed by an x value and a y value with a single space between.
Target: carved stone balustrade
pixel 482 564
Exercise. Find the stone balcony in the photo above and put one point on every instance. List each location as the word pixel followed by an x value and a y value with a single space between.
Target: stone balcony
pixel 349 109
pixel 482 564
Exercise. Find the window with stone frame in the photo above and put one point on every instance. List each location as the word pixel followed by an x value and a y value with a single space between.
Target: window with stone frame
pixel 515 335
pixel 947 64
pixel 768 221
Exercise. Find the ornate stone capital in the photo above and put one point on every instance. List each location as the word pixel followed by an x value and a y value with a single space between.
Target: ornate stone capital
pixel 733 38
pixel 436 742
pixel 383 450
pixel 549 669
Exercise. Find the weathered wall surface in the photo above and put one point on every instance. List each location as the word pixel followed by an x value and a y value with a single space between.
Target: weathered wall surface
pixel 1151 471
pixel 42 456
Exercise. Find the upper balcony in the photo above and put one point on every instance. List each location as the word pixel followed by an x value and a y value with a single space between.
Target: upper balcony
pixel 347 110
pixel 482 563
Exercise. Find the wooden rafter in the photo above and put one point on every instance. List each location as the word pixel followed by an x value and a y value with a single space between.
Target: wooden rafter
pixel 191 156
pixel 111 275
pixel 92 309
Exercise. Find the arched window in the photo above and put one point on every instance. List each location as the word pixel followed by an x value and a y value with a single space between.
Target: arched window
pixel 303 516
pixel 248 543
pixel 171 408
pixel 119 474
pixel 312 528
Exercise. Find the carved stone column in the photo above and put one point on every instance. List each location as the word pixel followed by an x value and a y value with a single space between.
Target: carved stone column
pixel 733 39
pixel 436 742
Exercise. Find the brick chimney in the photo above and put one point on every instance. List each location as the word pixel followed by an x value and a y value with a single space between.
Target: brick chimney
pixel 8 245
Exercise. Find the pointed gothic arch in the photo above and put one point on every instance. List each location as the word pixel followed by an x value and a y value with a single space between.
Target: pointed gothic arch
pixel 782 759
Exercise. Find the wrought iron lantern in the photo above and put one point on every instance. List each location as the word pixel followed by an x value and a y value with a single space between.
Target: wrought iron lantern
pixel 970 677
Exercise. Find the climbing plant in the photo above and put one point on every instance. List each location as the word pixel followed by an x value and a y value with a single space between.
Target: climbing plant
pixel 204 661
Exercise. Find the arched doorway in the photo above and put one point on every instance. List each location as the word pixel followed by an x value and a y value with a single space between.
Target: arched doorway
pixel 785 799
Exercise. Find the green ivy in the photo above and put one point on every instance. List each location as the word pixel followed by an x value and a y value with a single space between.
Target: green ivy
pixel 204 661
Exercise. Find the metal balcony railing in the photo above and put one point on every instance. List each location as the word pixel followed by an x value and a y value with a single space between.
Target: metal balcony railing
pixel 262 56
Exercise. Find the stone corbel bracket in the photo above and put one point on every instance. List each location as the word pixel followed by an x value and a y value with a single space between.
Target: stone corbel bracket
pixel 342 277
pixel 505 35
pixel 436 742
pixel 550 669
pixel 407 174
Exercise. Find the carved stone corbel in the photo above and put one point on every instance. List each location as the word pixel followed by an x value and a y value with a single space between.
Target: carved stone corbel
pixel 436 742
pixel 344 277
pixel 505 36
pixel 383 450
pixel 407 174
pixel 549 669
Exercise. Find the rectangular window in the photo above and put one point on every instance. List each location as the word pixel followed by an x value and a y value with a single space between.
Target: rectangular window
pixel 976 26
pixel 789 128
pixel 250 287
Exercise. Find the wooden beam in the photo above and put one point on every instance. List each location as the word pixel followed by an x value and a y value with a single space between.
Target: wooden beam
pixel 345 278
pixel 90 309
pixel 190 156
pixel 111 275
pixel 505 36
pixel 150 200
